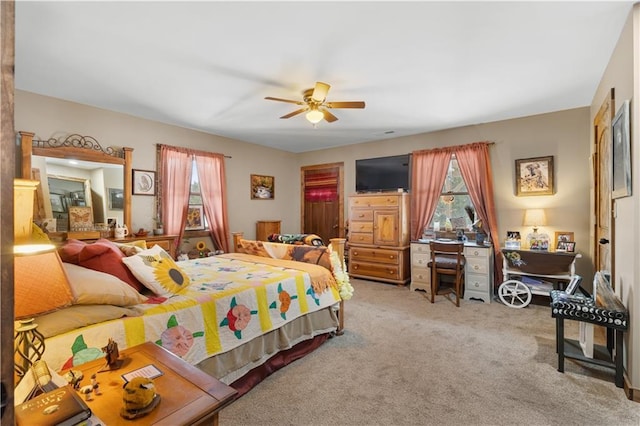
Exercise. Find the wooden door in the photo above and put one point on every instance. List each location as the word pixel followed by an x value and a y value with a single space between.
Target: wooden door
pixel 385 227
pixel 322 200
pixel 603 244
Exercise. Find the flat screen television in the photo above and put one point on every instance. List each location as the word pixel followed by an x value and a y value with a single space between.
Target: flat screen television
pixel 383 173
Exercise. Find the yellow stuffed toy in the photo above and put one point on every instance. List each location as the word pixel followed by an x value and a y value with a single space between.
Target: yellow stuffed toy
pixel 139 398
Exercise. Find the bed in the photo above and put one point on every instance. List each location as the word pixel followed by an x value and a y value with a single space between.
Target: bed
pixel 237 316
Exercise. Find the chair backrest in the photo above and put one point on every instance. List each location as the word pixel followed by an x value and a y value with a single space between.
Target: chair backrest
pixel 449 249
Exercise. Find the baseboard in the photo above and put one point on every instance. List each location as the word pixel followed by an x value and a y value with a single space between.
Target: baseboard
pixel 632 394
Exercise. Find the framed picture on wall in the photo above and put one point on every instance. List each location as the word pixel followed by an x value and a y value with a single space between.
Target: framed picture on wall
pixel 262 187
pixel 534 176
pixel 116 199
pixel 144 182
pixel 621 185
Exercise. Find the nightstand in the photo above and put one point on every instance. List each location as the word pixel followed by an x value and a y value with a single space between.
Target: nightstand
pixel 188 395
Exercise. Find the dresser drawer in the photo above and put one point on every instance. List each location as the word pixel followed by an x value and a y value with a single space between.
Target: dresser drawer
pixel 374 270
pixel 477 252
pixel 164 244
pixel 360 238
pixel 420 248
pixel 356 226
pixel 421 275
pixel 388 257
pixel 363 215
pixel 476 282
pixel 420 260
pixel 374 201
pixel 477 265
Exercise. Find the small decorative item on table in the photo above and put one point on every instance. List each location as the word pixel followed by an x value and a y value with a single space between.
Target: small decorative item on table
pixel 112 355
pixel 139 398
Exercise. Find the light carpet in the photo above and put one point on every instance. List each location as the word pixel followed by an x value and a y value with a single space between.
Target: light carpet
pixel 405 361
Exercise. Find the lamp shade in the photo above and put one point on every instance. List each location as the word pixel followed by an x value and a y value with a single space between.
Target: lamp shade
pixel 534 217
pixel 40 283
pixel 314 116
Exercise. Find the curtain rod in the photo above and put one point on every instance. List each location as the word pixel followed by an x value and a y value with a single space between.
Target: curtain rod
pixel 191 149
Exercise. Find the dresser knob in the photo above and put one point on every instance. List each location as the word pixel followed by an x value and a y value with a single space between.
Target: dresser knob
pixel 476 267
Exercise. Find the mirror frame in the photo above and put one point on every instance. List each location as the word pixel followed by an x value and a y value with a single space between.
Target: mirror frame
pixel 83 148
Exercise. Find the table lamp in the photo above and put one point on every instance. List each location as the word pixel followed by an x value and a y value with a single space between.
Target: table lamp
pixel 536 218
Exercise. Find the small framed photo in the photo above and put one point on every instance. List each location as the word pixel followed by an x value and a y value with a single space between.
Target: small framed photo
pixel 621 185
pixel 570 246
pixel 80 218
pixel 534 176
pixel 262 187
pixel 57 204
pixel 195 218
pixel 116 198
pixel 49 224
pixel 144 182
pixel 562 237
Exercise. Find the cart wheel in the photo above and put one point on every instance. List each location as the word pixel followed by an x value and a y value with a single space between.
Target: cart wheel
pixel 514 294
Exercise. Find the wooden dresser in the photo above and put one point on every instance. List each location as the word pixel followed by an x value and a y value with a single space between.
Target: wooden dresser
pixel 264 228
pixel 379 237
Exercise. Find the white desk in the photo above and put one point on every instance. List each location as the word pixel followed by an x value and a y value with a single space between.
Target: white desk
pixel 478 281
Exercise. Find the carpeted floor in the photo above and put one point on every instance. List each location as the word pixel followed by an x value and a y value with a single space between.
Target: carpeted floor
pixel 405 361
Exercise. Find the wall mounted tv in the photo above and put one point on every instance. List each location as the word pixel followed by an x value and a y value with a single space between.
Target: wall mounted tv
pixel 383 173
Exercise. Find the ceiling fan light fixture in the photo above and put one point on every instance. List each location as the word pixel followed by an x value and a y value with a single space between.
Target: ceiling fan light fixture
pixel 314 116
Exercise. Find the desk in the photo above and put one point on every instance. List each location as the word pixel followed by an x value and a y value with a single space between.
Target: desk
pixel 188 395
pixel 606 310
pixel 478 281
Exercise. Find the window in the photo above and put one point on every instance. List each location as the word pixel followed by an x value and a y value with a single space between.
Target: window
pixel 196 218
pixel 453 200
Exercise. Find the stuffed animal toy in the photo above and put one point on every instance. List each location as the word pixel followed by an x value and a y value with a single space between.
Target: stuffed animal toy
pixel 139 398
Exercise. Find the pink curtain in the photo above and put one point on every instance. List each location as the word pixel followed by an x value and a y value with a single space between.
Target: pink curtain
pixel 428 172
pixel 475 166
pixel 212 184
pixel 175 170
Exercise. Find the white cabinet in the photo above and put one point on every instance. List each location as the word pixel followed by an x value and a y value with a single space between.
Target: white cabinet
pixel 478 279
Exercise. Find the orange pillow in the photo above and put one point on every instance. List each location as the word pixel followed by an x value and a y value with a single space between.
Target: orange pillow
pixel 103 256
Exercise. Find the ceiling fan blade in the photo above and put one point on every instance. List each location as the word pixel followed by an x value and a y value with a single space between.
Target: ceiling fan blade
pixel 320 91
pixel 296 112
pixel 348 104
pixel 328 116
pixel 270 98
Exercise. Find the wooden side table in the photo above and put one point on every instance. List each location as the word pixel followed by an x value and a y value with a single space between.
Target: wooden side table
pixel 188 395
pixel 264 228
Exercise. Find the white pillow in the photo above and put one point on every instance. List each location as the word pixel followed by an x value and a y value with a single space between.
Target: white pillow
pixel 91 287
pixel 157 271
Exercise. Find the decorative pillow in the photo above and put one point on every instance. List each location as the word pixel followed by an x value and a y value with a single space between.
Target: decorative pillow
pixel 158 272
pixel 40 285
pixel 97 288
pixel 103 256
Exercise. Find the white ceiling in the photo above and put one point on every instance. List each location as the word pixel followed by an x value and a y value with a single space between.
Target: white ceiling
pixel 419 66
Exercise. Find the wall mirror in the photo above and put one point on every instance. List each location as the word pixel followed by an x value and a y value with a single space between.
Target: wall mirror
pixel 78 177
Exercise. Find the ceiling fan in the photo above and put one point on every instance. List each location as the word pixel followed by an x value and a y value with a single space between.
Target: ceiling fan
pixel 315 104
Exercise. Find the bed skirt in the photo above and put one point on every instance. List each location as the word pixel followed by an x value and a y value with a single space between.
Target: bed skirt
pixel 249 364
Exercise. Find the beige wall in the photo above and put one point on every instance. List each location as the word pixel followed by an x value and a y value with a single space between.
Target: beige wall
pixel 49 117
pixel 622 74
pixel 563 134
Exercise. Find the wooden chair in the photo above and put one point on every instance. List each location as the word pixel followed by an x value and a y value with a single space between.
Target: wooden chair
pixel 447 258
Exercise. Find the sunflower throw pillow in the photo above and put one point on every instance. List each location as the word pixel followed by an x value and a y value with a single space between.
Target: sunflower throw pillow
pixel 157 271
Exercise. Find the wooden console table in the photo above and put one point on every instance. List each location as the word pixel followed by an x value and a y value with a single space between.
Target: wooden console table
pixel 605 310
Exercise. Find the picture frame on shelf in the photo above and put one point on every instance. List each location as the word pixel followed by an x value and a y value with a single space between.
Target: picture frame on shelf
pixel 144 182
pixel 570 246
pixel 195 218
pixel 57 204
pixel 621 147
pixel 80 218
pixel 562 237
pixel 534 176
pixel 262 187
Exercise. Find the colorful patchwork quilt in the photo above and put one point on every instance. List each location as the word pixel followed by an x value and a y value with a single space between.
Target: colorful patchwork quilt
pixel 231 299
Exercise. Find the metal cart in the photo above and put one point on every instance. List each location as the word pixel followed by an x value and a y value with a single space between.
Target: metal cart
pixel 525 273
